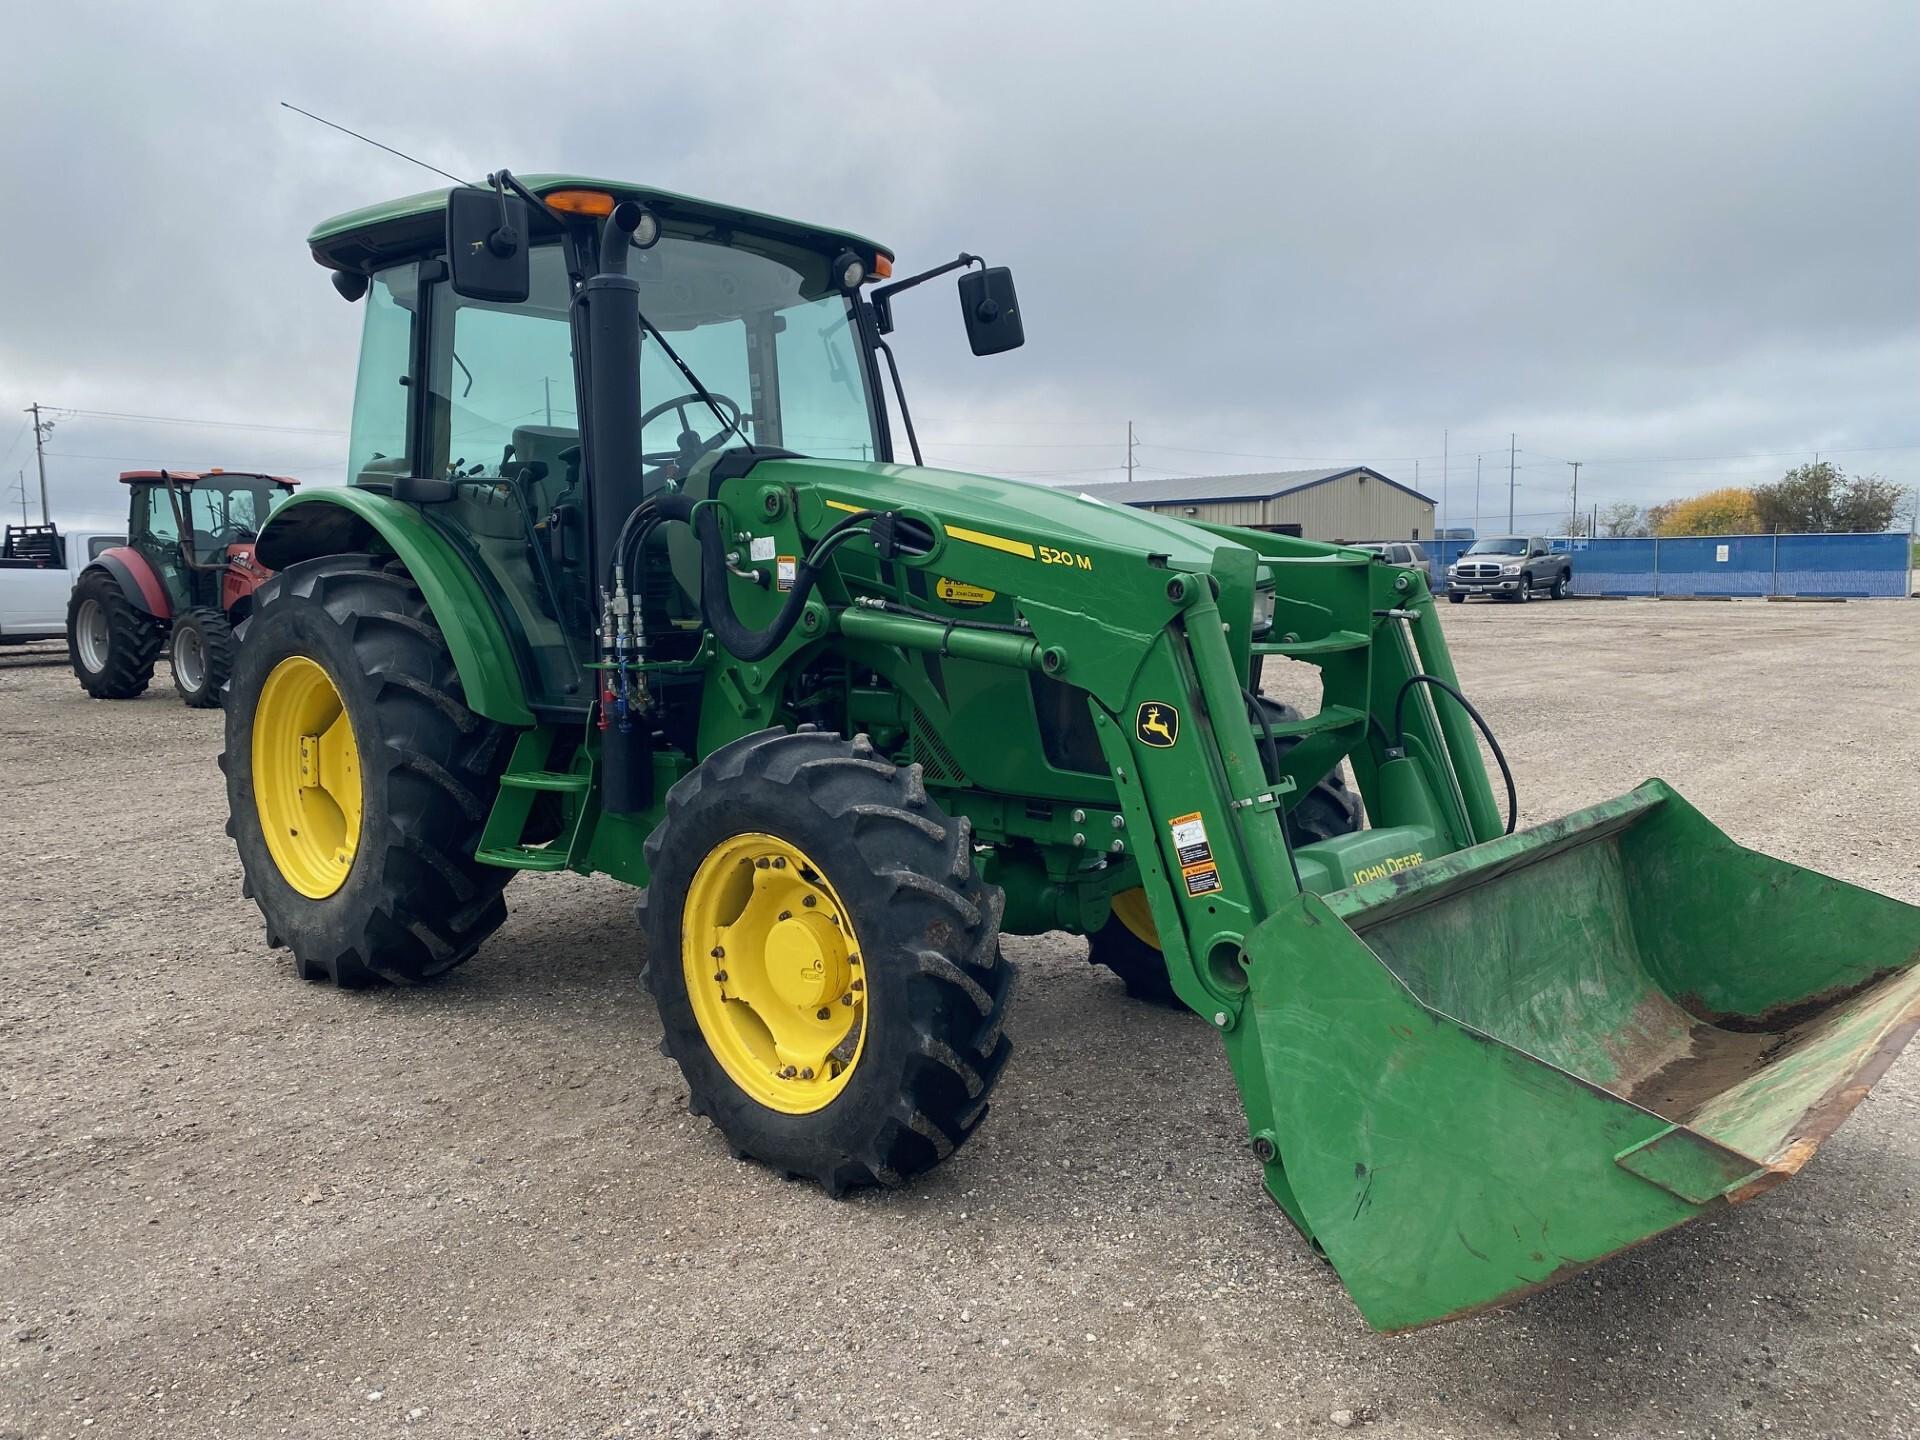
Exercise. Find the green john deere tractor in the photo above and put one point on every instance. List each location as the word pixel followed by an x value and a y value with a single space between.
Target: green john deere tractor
pixel 630 580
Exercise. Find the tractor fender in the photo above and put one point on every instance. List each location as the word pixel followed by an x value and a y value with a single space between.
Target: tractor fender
pixel 341 521
pixel 137 581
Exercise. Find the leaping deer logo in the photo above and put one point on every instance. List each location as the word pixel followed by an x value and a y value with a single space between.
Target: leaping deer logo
pixel 1157 724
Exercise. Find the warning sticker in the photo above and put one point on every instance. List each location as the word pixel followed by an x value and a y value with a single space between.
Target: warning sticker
pixel 787 566
pixel 1190 839
pixel 762 548
pixel 1201 879
pixel 959 592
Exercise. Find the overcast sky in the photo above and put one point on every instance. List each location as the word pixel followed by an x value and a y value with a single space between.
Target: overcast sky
pixel 1676 241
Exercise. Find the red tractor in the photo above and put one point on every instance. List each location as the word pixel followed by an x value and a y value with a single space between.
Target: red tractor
pixel 185 578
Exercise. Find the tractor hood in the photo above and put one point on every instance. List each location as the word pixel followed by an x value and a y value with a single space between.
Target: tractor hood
pixel 1010 516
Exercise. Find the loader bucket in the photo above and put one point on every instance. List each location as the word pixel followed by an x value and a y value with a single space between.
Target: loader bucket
pixel 1502 1066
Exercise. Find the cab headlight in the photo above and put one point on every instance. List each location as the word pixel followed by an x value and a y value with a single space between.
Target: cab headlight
pixel 1262 610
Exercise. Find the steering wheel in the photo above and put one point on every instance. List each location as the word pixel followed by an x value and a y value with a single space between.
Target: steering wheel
pixel 692 446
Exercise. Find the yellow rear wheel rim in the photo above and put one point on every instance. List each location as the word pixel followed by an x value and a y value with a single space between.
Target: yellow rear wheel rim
pixel 306 777
pixel 774 973
pixel 1131 908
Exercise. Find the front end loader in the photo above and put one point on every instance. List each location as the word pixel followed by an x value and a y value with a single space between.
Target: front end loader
pixel 629 580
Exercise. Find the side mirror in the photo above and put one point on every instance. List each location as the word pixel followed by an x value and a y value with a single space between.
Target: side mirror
pixel 487 246
pixel 991 311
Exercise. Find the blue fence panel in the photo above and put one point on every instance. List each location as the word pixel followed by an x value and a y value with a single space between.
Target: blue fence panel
pixel 1614 567
pixel 1860 566
pixel 1863 566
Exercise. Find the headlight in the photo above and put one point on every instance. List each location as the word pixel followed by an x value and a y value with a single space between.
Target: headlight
pixel 1453 569
pixel 1262 610
pixel 1513 569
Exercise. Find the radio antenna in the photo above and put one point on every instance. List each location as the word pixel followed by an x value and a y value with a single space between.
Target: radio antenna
pixel 378 146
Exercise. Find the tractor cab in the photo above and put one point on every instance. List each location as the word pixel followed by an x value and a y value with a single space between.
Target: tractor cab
pixel 190 525
pixel 182 581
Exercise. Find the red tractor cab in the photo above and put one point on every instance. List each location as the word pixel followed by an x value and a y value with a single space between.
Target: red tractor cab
pixel 184 580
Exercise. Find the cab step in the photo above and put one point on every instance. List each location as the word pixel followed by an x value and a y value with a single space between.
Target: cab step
pixel 522 857
pixel 525 780
pixel 565 783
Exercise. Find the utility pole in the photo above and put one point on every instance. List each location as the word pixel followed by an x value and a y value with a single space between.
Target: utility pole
pixel 41 429
pixel 1445 435
pixel 1512 450
pixel 22 476
pixel 1131 442
pixel 1576 464
pixel 1476 496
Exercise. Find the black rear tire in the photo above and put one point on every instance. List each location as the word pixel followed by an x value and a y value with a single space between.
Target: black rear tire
pixel 1456 599
pixel 414 903
pixel 927 929
pixel 130 640
pixel 203 640
pixel 1560 585
pixel 1327 810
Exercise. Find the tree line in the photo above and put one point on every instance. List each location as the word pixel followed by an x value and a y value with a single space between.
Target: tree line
pixel 1809 499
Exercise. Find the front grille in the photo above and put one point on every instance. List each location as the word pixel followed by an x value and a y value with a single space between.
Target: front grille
pixel 1479 572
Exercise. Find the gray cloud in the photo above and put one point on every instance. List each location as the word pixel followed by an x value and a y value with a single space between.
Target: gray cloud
pixel 1647 236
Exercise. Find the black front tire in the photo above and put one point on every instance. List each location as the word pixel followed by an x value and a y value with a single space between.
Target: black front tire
pixel 928 931
pixel 1456 599
pixel 1526 589
pixel 415 903
pixel 124 653
pixel 200 682
pixel 1330 808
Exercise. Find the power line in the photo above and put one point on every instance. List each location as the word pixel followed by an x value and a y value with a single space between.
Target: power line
pixel 203 424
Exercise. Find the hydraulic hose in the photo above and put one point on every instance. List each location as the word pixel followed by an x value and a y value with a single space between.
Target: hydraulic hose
pixel 1480 722
pixel 716 604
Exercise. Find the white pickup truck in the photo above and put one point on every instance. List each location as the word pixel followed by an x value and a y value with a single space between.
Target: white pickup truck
pixel 38 565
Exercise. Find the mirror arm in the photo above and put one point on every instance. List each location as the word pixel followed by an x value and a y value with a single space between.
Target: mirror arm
pixel 511 181
pixel 882 298
pixel 900 397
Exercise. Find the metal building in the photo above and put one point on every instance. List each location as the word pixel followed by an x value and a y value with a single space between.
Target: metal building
pixel 1353 503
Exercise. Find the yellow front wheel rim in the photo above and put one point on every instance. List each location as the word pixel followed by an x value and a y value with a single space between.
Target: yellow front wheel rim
pixel 1131 909
pixel 306 777
pixel 774 973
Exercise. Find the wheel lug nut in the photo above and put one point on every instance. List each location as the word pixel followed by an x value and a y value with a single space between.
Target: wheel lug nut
pixel 720 976
pixel 719 952
pixel 847 999
pixel 823 1013
pixel 779 862
pixel 808 901
pixel 807 1074
pixel 761 863
pixel 786 914
pixel 858 984
pixel 788 1073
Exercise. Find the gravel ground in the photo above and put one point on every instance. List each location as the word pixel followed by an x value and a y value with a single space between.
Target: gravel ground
pixel 235 1205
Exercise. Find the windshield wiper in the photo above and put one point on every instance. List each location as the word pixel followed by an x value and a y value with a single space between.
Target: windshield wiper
pixel 694 380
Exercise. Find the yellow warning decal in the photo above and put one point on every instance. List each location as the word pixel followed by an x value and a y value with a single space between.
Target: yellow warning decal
pixel 959 592
pixel 1201 879
pixel 842 505
pixel 992 542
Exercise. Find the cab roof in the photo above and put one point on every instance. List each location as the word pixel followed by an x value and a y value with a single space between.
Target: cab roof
pixel 365 239
pixel 188 477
